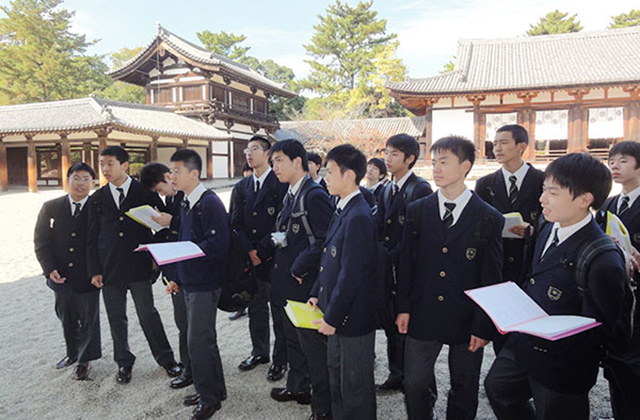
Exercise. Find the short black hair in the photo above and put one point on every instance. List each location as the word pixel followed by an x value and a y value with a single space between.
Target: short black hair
pixel 462 147
pixel 246 167
pixel 152 174
pixel 293 149
pixel 407 145
pixel 266 145
pixel 346 156
pixel 117 152
pixel 627 148
pixel 190 158
pixel 518 132
pixel 378 163
pixel 581 173
pixel 81 166
pixel 315 158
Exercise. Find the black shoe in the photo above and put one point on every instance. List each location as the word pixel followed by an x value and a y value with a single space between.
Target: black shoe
pixel 124 374
pixel 181 382
pixel 252 361
pixel 238 314
pixel 321 416
pixel 193 399
pixel 276 372
pixel 389 386
pixel 66 362
pixel 203 412
pixel 284 395
pixel 172 368
pixel 81 371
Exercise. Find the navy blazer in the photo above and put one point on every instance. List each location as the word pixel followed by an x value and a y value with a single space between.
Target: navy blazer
pixel 492 189
pixel 60 241
pixel 345 284
pixel 207 225
pixel 390 217
pixel 630 218
pixel 438 264
pixel 254 215
pixel 113 236
pixel 299 257
pixel 570 365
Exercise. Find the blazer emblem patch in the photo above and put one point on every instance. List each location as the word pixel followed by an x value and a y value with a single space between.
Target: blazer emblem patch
pixel 334 251
pixel 534 215
pixel 554 293
pixel 401 219
pixel 471 253
pixel 295 228
pixel 271 211
pixel 636 237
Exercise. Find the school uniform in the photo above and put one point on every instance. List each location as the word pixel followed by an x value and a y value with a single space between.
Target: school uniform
pixel 306 349
pixel 623 371
pixel 60 237
pixel 111 240
pixel 257 202
pixel 389 225
pixel 320 181
pixel 438 263
pixel 344 289
pixel 204 221
pixel 559 374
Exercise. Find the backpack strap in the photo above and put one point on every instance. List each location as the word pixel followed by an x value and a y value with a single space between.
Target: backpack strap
pixel 482 231
pixel 587 254
pixel 302 213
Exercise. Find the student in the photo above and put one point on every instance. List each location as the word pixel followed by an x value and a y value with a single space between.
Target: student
pixel 559 374
pixel 156 177
pixel 301 228
pixel 344 289
pixel 452 242
pixel 315 163
pixel 376 177
pixel 116 269
pixel 623 371
pixel 60 237
pixel 257 202
pixel 402 152
pixel 204 221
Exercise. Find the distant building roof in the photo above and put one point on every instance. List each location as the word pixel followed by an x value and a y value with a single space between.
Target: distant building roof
pixel 95 113
pixel 375 129
pixel 202 57
pixel 536 62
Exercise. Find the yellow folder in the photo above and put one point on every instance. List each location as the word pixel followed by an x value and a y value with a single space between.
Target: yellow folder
pixel 302 314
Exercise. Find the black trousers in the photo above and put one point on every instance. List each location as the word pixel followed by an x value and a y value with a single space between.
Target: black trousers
pixel 307 354
pixel 180 318
pixel 79 314
pixel 259 323
pixel 623 375
pixel 464 373
pixel 509 389
pixel 206 365
pixel 350 365
pixel 115 302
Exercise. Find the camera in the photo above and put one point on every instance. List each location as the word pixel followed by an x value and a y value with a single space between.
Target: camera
pixel 279 239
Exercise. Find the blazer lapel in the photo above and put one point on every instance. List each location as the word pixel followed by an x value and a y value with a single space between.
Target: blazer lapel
pixel 500 191
pixel 526 186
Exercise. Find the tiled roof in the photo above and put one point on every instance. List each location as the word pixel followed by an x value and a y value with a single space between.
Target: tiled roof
pixel 206 57
pixel 371 129
pixel 536 62
pixel 93 113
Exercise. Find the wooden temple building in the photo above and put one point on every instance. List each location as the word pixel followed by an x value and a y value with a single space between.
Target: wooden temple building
pixel 575 81
pixel 195 99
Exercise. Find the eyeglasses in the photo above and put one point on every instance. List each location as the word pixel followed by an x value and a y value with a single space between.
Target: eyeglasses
pixel 81 179
pixel 252 149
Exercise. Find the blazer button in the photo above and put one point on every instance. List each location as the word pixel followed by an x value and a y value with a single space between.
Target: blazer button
pixel 445 250
pixel 324 250
pixel 121 234
pixel 255 213
pixel 440 298
pixel 443 274
pixel 511 259
pixel 386 239
pixel 73 234
pixel 321 269
pixel 532 280
pixel 284 227
pixel 71 249
pixel 275 265
pixel 253 231
pixel 70 264
pixel 388 221
pixel 121 218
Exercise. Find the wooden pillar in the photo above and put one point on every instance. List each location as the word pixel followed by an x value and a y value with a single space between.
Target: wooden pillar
pixel 86 154
pixel 479 132
pixel 632 121
pixel 428 131
pixel 527 119
pixel 66 159
pixel 578 129
pixel 229 160
pixel 4 173
pixel 102 144
pixel 153 149
pixel 210 160
pixel 32 165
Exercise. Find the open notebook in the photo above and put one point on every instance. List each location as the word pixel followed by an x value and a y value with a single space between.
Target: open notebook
pixel 171 252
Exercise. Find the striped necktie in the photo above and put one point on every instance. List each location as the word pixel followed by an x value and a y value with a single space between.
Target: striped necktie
pixel 76 212
pixel 448 214
pixel 624 205
pixel 121 197
pixel 513 189
pixel 553 245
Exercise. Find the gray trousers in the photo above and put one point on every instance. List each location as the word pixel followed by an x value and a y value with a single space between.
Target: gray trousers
pixel 206 366
pixel 259 325
pixel 79 314
pixel 180 318
pixel 350 364
pixel 115 302
pixel 464 373
pixel 509 389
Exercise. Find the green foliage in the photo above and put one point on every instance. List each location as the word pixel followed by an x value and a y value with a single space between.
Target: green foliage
pixel 122 91
pixel 625 20
pixel 42 60
pixel 555 22
pixel 449 66
pixel 123 55
pixel 225 44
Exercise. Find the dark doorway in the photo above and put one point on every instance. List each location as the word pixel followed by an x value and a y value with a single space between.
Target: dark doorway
pixel 17 166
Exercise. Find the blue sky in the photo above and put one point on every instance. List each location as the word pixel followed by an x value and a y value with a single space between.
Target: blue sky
pixel 428 30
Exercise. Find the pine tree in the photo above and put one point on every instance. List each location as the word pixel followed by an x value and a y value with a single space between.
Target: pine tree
pixel 555 22
pixel 625 20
